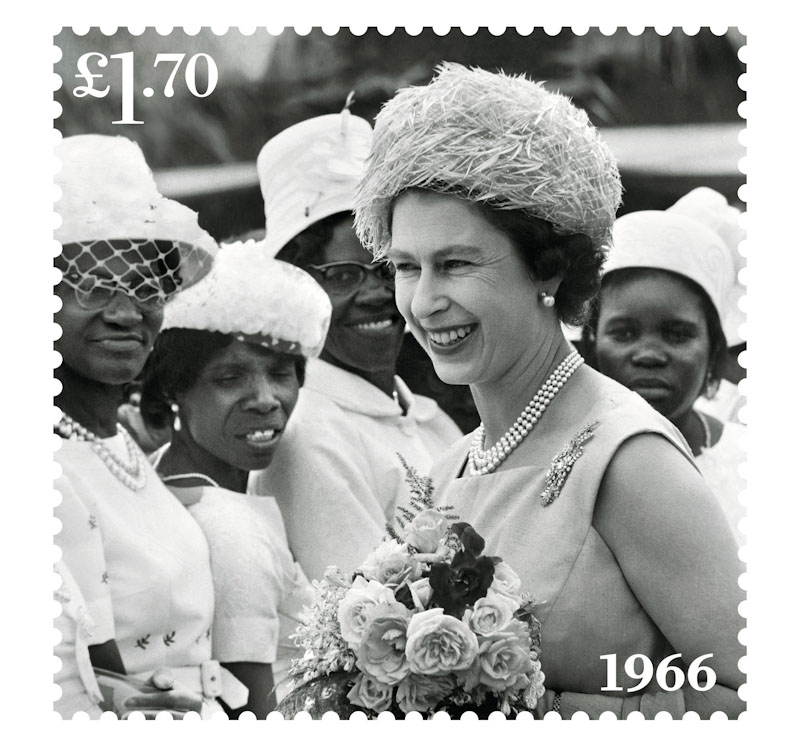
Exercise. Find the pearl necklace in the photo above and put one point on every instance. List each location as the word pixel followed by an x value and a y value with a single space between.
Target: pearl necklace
pixel 483 461
pixel 134 476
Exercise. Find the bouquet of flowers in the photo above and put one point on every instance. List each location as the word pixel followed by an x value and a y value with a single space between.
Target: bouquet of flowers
pixel 426 623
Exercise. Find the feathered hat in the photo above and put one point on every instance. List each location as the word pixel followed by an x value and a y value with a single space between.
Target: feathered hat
pixel 489 137
pixel 258 299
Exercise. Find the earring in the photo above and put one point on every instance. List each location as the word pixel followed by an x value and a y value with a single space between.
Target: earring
pixel 712 387
pixel 547 299
pixel 176 419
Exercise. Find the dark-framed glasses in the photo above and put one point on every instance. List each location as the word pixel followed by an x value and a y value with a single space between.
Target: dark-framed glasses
pixel 345 277
pixel 92 293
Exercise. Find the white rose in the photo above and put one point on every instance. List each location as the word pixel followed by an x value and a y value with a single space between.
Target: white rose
pixel 359 599
pixel 506 581
pixel 391 564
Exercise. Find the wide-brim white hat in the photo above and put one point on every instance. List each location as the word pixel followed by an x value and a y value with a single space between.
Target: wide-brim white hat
pixel 674 242
pixel 108 194
pixel 310 171
pixel 258 299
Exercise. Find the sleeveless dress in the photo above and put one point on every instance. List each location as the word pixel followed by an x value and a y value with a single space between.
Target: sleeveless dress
pixel 588 609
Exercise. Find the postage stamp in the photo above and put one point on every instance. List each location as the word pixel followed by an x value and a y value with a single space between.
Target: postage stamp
pixel 283 256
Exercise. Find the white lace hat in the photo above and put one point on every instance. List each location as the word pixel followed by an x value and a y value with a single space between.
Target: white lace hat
pixel 310 171
pixel 112 214
pixel 674 242
pixel 258 299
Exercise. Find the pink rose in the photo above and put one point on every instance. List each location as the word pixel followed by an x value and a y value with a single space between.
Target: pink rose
pixel 391 564
pixel 383 643
pixel 426 530
pixel 491 614
pixel 422 693
pixel 505 660
pixel 439 644
pixel 506 581
pixel 368 693
pixel 362 596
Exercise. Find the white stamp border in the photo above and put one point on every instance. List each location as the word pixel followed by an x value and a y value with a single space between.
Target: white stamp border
pixel 28 330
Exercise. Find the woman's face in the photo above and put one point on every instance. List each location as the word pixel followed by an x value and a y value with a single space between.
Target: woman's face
pixel 366 329
pixel 237 410
pixel 652 337
pixel 464 290
pixel 109 345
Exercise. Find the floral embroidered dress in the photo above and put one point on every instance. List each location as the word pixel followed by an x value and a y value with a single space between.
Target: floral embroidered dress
pixel 260 590
pixel 589 608
pixel 79 689
pixel 141 562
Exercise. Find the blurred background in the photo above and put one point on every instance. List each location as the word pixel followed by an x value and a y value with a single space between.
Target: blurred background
pixel 666 105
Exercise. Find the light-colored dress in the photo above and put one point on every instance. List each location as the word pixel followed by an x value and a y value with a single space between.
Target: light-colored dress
pixel 720 468
pixel 260 590
pixel 589 609
pixel 140 561
pixel 79 689
pixel 336 474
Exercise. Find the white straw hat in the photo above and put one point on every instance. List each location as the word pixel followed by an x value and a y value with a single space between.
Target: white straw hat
pixel 110 208
pixel 310 171
pixel 673 242
pixel 712 209
pixel 257 298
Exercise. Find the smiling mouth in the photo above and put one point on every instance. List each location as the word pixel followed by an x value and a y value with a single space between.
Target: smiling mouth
pixel 374 326
pixel 450 337
pixel 263 436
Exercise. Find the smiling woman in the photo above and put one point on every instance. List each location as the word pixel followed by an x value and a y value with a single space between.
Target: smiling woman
pixel 140 562
pixel 494 199
pixel 226 372
pixel 337 476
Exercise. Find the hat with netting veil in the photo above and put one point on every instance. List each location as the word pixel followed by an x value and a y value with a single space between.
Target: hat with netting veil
pixel 257 299
pixel 494 138
pixel 674 242
pixel 310 171
pixel 117 230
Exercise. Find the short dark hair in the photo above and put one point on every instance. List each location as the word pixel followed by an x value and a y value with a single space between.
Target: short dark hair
pixel 547 254
pixel 173 367
pixel 307 247
pixel 718 345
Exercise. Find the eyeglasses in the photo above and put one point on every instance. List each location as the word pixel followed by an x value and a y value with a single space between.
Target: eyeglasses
pixel 346 277
pixel 93 295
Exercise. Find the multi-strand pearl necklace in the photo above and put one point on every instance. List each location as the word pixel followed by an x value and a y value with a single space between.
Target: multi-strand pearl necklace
pixel 487 461
pixel 134 476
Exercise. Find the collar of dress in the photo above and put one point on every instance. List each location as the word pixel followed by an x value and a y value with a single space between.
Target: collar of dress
pixel 354 393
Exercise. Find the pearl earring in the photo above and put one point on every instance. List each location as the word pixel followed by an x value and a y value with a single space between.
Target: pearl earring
pixel 176 419
pixel 547 299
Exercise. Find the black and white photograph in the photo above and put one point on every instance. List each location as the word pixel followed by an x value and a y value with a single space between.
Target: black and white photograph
pixel 399 374
pixel 403 373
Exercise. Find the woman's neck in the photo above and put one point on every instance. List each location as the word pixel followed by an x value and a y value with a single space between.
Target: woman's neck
pixel 500 402
pixel 690 424
pixel 92 404
pixel 181 458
